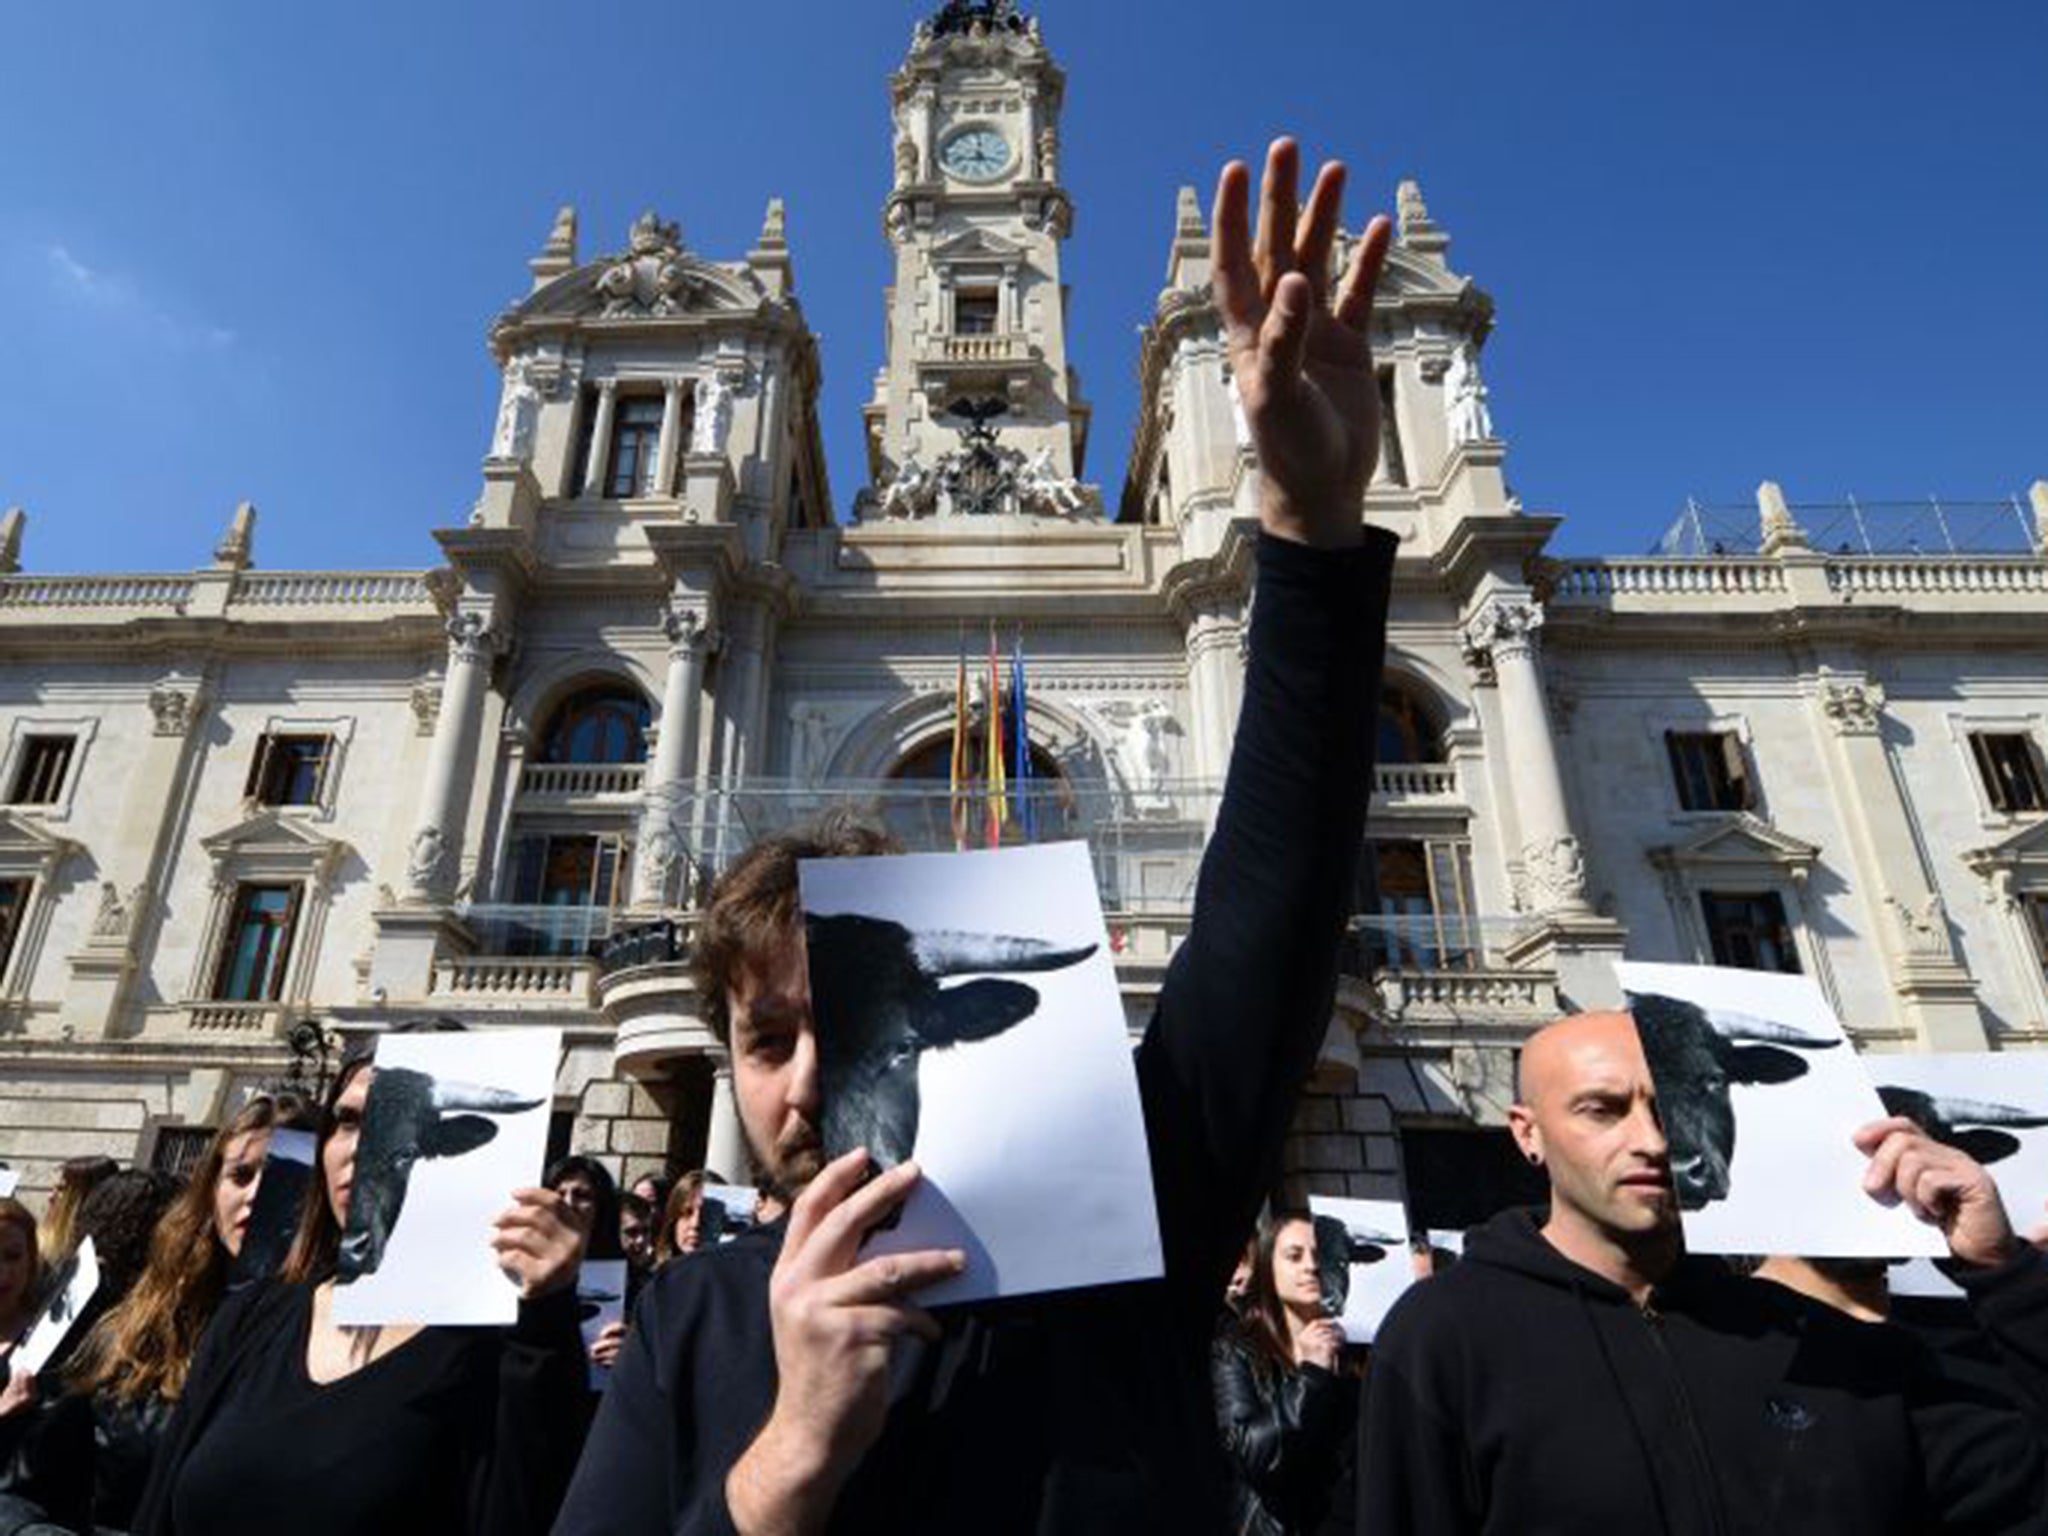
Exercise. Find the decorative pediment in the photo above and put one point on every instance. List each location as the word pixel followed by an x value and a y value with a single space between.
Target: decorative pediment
pixel 2014 864
pixel 979 245
pixel 27 845
pixel 273 842
pixel 655 278
pixel 1741 841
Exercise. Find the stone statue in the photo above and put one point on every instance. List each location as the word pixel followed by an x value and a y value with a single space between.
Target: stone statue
pixel 712 419
pixel 906 162
pixel 1041 487
pixel 1240 424
pixel 810 729
pixel 518 410
pixel 112 919
pixel 1143 729
pixel 1048 153
pixel 1465 399
pixel 914 491
pixel 425 861
pixel 663 841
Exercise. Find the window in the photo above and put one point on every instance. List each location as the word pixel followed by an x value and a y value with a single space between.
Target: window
pixel 2037 921
pixel 598 725
pixel 1393 467
pixel 1414 907
pixel 2010 766
pixel 14 896
pixel 974 312
pixel 1407 733
pixel 636 433
pixel 581 876
pixel 258 944
pixel 45 763
pixel 1710 770
pixel 1749 932
pixel 180 1149
pixel 289 770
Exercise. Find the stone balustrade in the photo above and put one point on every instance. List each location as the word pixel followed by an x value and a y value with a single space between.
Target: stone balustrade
pixel 499 978
pixel 1596 581
pixel 137 592
pixel 564 781
pixel 248 1019
pixel 1416 781
pixel 330 589
pixel 1409 994
pixel 984 349
pixel 1920 575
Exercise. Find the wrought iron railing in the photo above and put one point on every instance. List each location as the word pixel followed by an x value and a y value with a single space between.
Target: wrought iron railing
pixel 1930 526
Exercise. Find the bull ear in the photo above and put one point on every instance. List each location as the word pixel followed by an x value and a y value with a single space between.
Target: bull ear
pixel 1985 1146
pixel 453 1135
pixel 977 1010
pixel 1765 1064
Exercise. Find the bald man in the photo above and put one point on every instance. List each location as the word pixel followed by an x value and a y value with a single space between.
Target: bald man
pixel 1579 1372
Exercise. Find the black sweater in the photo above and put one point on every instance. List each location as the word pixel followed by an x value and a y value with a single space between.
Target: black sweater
pixel 1085 1411
pixel 457 1430
pixel 1521 1393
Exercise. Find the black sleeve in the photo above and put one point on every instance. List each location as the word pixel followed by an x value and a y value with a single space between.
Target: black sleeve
pixel 1281 1434
pixel 1413 1475
pixel 1247 1000
pixel 2011 1306
pixel 537 1421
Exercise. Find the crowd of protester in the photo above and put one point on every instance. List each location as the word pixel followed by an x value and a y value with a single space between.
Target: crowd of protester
pixel 1575 1370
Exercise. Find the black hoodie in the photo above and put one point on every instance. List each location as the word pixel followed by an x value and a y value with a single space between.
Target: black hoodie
pixel 1520 1392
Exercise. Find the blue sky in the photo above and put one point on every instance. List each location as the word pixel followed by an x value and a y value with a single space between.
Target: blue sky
pixel 251 251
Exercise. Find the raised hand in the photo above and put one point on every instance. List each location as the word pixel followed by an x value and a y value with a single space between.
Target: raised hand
pixel 539 1242
pixel 1942 1186
pixel 1303 365
pixel 836 1320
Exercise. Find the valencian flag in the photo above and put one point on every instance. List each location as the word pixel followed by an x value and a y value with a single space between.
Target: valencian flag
pixel 998 792
pixel 961 798
pixel 1020 737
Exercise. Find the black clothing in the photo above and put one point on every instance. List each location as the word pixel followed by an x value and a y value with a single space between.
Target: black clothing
pixel 458 1429
pixel 1286 1433
pixel 1088 1410
pixel 1519 1392
pixel 85 1457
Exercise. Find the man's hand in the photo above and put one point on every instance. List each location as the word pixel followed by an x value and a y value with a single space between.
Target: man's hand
pixel 539 1242
pixel 1942 1186
pixel 1304 368
pixel 835 1322
pixel 604 1349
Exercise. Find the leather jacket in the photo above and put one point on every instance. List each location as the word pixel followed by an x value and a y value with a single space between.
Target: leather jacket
pixel 1285 1433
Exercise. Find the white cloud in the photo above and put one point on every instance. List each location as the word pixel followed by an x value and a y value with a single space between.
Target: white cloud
pixel 116 296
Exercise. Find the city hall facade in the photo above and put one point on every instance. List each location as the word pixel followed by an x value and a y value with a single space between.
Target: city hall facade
pixel 247 814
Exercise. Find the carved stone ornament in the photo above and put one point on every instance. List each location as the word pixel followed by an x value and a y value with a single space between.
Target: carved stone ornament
pixel 426 705
pixel 175 706
pixel 1923 929
pixel 1554 869
pixel 518 411
pixel 115 917
pixel 663 845
pixel 1853 706
pixel 711 422
pixel 1504 630
pixel 470 638
pixel 1465 398
pixel 651 278
pixel 426 861
pixel 687 629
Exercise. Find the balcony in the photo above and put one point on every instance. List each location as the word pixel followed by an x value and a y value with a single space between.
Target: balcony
pixel 583 782
pixel 515 979
pixel 1407 783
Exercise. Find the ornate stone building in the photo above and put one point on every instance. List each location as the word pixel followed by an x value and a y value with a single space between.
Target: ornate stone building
pixel 248 812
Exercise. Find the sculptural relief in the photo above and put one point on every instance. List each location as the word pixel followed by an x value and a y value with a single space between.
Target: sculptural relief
pixel 518 412
pixel 1465 398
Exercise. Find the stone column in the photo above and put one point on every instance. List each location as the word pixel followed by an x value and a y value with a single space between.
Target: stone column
pixel 668 447
pixel 1937 996
pixel 600 437
pixel 662 825
pixel 725 1147
pixel 1553 863
pixel 1214 675
pixel 434 852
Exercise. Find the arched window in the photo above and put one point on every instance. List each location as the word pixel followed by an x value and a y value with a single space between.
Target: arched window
pixel 603 724
pixel 923 817
pixel 1409 733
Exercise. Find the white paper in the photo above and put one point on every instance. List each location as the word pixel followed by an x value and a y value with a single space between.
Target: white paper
pixel 1981 1099
pixel 736 1202
pixel 10 1180
pixel 1794 1184
pixel 1448 1240
pixel 600 1302
pixel 1378 1267
pixel 74 1289
pixel 1032 1142
pixel 437 1265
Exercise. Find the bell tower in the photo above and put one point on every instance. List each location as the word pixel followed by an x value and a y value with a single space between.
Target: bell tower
pixel 977 316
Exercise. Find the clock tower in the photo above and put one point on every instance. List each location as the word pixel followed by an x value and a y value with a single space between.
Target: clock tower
pixel 977 411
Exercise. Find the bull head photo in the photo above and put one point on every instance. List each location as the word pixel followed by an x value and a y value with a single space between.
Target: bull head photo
pixel 878 1006
pixel 1983 1131
pixel 410 1115
pixel 1337 1249
pixel 1696 1055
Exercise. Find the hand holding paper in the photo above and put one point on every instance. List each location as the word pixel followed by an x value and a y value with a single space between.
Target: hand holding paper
pixel 1941 1185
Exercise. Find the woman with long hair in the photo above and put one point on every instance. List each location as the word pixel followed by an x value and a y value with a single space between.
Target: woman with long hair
pixel 77 1177
pixel 20 1273
pixel 290 1421
pixel 682 1219
pixel 1284 1402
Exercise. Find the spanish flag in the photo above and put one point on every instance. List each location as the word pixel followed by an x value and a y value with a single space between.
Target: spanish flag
pixel 998 792
pixel 960 751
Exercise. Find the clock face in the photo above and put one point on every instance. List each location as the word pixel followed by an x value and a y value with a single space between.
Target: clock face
pixel 976 154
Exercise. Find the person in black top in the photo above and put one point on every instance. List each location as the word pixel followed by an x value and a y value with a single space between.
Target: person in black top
pixel 290 1422
pixel 778 1383
pixel 1285 1403
pixel 1585 1374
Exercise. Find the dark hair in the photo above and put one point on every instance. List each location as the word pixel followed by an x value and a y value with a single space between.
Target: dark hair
pixel 313 1251
pixel 143 1348
pixel 1262 1320
pixel 689 1187
pixel 121 1216
pixel 603 1242
pixel 631 1204
pixel 662 1185
pixel 754 906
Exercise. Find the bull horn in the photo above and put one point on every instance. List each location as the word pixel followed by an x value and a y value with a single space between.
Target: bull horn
pixel 1747 1026
pixel 484 1101
pixel 1977 1112
pixel 944 952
